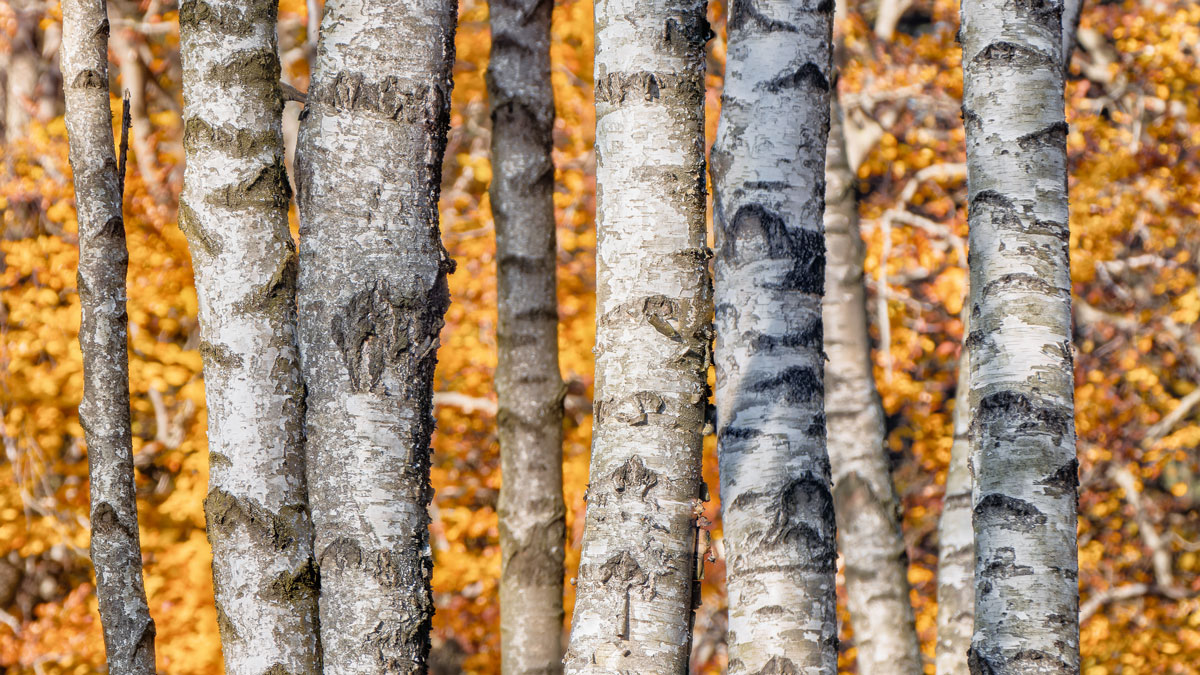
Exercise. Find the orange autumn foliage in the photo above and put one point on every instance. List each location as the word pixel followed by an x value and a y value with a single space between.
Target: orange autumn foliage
pixel 1134 108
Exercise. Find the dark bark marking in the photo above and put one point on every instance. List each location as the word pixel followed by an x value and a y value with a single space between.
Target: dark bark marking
pixel 1064 481
pixel 811 336
pixel 194 13
pixel 743 12
pixel 1009 513
pixel 756 233
pixel 682 90
pixel 220 355
pixel 1019 412
pixel 778 665
pixel 371 332
pixel 795 384
pixel 1053 136
pixel 292 587
pixel 1004 565
pixel 1025 282
pixel 224 512
pixel 278 293
pixel 89 79
pixel 536 561
pixel 106 521
pixel 402 567
pixel 392 98
pixel 807 75
pixel 634 474
pixel 1013 55
pixel 200 239
pixel 198 134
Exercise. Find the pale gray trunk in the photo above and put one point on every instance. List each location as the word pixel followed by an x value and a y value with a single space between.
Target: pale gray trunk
pixel 1072 12
pixel 868 511
pixel 528 383
pixel 372 293
pixel 21 76
pixel 234 212
pixel 104 411
pixel 768 182
pixel 1022 433
pixel 633 611
pixel 956 539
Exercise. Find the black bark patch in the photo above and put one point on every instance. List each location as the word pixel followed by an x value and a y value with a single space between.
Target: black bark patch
pixel 1004 565
pixel 241 143
pixel 278 294
pixel 623 568
pixel 224 513
pixel 757 233
pixel 809 75
pixel 201 240
pixel 744 12
pixel 1064 481
pixel 1013 55
pixel 371 332
pixel 633 477
pixel 401 568
pixel 391 98
pixel 1053 136
pixel 1011 411
pixel 811 336
pixel 804 517
pixel 298 586
pixel 1024 282
pixel 796 384
pixel 1009 513
pixel 106 521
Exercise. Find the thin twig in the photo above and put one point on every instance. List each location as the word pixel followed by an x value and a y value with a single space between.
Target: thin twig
pixel 126 122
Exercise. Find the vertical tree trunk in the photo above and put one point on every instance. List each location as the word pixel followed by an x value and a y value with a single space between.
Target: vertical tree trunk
pixel 1022 387
pixel 234 212
pixel 104 411
pixel 768 182
pixel 633 611
pixel 530 388
pixel 372 295
pixel 23 66
pixel 956 538
pixel 868 511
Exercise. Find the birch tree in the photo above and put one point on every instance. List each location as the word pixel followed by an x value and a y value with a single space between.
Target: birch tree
pixel 372 294
pixel 653 334
pixel 234 211
pixel 1022 432
pixel 868 510
pixel 528 382
pixel 104 410
pixel 956 539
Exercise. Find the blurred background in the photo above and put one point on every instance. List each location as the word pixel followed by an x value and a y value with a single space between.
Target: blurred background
pixel 1133 104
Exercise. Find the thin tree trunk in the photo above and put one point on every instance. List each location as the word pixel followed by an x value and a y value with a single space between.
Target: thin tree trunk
pixel 372 295
pixel 768 170
pixel 23 66
pixel 104 411
pixel 528 382
pixel 868 511
pixel 956 538
pixel 234 212
pixel 1022 387
pixel 633 611
pixel 1072 13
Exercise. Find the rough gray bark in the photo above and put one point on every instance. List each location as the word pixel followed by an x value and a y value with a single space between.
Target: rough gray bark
pixel 372 294
pixel 768 183
pixel 868 511
pixel 1022 433
pixel 956 539
pixel 633 611
pixel 528 382
pixel 234 212
pixel 104 411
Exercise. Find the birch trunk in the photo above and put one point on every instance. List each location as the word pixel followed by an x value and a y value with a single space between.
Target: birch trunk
pixel 528 382
pixel 234 212
pixel 868 511
pixel 21 74
pixel 768 171
pixel 633 611
pixel 956 539
pixel 1022 433
pixel 104 411
pixel 372 294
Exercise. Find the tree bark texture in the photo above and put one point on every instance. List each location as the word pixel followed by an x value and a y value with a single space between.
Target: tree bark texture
pixel 868 511
pixel 372 294
pixel 1022 433
pixel 768 182
pixel 956 538
pixel 234 211
pixel 528 382
pixel 104 410
pixel 633 611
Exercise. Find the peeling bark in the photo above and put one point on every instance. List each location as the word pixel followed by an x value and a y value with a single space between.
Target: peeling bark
pixel 868 510
pixel 104 410
pixel 234 212
pixel 633 611
pixel 528 383
pixel 956 539
pixel 1022 433
pixel 372 294
pixel 768 182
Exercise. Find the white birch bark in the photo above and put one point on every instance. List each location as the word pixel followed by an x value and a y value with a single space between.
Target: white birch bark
pixel 528 383
pixel 868 510
pixel 234 212
pixel 1022 389
pixel 633 611
pixel 768 181
pixel 104 410
pixel 956 538
pixel 372 293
